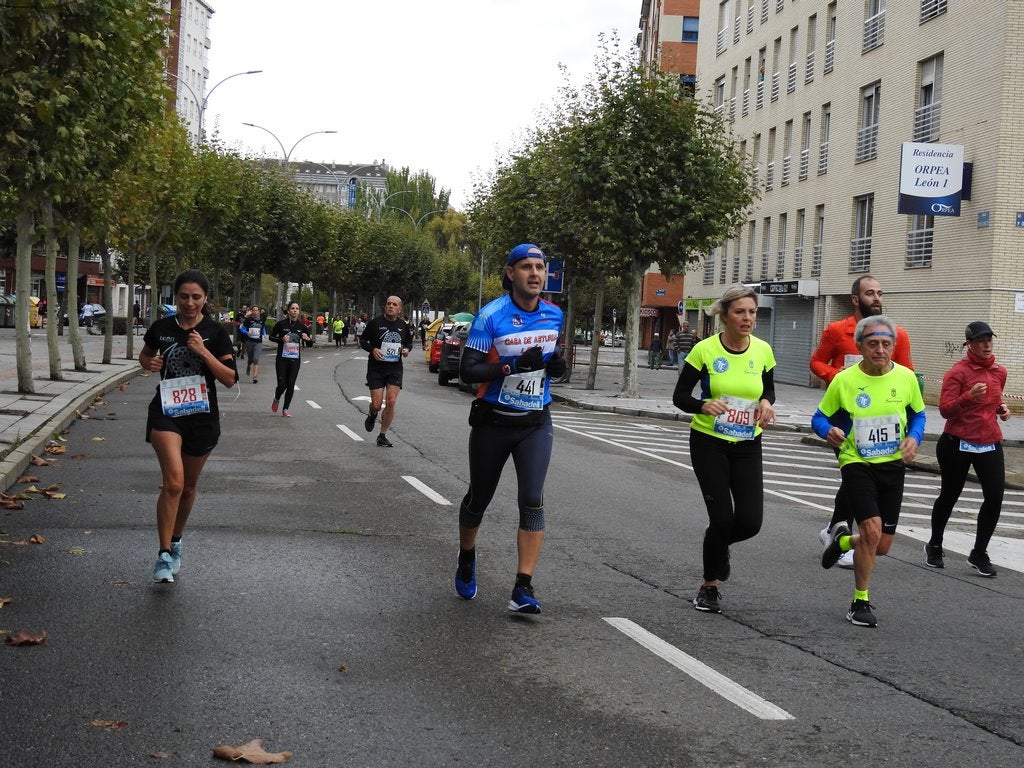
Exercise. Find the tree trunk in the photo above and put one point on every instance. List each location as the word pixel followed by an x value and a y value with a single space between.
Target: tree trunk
pixel 154 295
pixel 595 339
pixel 569 333
pixel 635 279
pixel 50 276
pixel 108 305
pixel 74 246
pixel 23 286
pixel 130 346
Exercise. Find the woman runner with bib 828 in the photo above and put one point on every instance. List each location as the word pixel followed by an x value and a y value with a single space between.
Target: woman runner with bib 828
pixel 191 351
pixel 737 392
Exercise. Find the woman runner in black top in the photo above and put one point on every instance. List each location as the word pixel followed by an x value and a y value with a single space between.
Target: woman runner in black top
pixel 191 352
pixel 288 334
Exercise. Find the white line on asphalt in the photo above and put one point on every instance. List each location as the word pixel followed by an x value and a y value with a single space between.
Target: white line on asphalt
pixel 313 405
pixel 701 672
pixel 626 447
pixel 360 397
pixel 426 490
pixel 349 432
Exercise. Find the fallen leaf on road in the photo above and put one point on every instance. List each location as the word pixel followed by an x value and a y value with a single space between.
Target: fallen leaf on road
pixel 122 386
pixel 24 637
pixel 98 439
pixel 121 583
pixel 27 479
pixel 35 461
pixel 52 495
pixel 252 752
pixel 5 601
pixel 112 725
pixel 77 456
pixel 159 755
pixel 11 504
pixel 80 415
pixel 56 449
pixel 76 551
pixel 30 489
pixel 35 538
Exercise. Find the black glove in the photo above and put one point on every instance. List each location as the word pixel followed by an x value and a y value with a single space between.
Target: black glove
pixel 555 366
pixel 531 360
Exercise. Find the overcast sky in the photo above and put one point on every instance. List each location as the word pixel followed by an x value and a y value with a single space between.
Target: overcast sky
pixel 441 86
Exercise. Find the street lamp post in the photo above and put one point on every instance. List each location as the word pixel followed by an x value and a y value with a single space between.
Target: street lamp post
pixel 287 153
pixel 415 222
pixel 201 103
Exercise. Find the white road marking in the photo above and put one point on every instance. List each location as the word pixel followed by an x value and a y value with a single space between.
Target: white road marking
pixel 313 405
pixel 361 397
pixel 349 432
pixel 701 672
pixel 426 490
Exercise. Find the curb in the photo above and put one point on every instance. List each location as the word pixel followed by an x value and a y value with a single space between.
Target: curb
pixel 14 463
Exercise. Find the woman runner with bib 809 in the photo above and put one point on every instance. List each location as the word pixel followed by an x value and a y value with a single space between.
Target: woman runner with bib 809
pixel 191 351
pixel 737 392
pixel 288 334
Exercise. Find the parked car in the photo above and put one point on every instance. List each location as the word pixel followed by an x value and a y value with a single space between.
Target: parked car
pixel 451 354
pixel 434 354
pixel 613 340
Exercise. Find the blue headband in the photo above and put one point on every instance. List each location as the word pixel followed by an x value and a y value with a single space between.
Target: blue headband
pixel 877 333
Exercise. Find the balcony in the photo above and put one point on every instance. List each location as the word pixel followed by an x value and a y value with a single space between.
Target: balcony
pixel 926 122
pixel 816 253
pixel 932 8
pixel 809 68
pixel 746 102
pixel 764 265
pixel 830 56
pixel 736 31
pixel 823 158
pixel 787 169
pixel 791 78
pixel 867 143
pixel 776 85
pixel 805 164
pixel 732 110
pixel 721 44
pixel 764 11
pixel 750 19
pixel 874 32
pixel 860 254
pixel 919 248
pixel 780 265
pixel 769 177
pixel 798 262
pixel 759 102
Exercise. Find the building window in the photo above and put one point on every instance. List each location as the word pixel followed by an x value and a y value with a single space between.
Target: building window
pixel 776 73
pixel 787 153
pixel 780 254
pixel 874 25
pixel 812 34
pixel 830 34
pixel 751 251
pixel 691 26
pixel 819 240
pixel 750 18
pixel 709 268
pixel 720 95
pixel 766 244
pixel 929 101
pixel 764 11
pixel 737 21
pixel 688 85
pixel 791 72
pixel 761 57
pixel 805 146
pixel 798 243
pixel 919 241
pixel 769 173
pixel 932 8
pixel 860 245
pixel 723 27
pixel 826 126
pixel 867 133
pixel 746 87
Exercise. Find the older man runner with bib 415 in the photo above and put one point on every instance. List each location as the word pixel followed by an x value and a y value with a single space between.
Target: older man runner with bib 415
pixel 512 352
pixel 874 414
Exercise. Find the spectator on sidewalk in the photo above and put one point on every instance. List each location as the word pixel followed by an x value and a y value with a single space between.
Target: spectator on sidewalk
pixel 654 353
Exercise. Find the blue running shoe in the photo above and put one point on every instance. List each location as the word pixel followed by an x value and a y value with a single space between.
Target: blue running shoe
pixel 163 570
pixel 523 601
pixel 466 588
pixel 175 557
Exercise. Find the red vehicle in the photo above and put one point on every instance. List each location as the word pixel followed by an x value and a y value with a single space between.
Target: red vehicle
pixel 435 347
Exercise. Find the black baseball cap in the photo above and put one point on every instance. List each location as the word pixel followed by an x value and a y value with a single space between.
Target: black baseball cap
pixel 976 330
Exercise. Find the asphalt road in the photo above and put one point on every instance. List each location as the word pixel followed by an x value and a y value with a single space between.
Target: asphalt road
pixel 315 608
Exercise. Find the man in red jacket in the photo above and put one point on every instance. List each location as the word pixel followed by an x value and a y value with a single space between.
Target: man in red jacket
pixel 837 350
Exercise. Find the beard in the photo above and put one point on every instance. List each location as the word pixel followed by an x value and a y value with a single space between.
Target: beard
pixel 867 309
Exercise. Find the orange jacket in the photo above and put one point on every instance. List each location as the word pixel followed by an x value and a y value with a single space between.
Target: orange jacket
pixel 837 342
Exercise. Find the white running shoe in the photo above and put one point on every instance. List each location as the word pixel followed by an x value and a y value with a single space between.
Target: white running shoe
pixel 846 560
pixel 823 535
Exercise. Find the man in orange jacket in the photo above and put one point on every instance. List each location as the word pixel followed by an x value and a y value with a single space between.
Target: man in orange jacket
pixel 837 350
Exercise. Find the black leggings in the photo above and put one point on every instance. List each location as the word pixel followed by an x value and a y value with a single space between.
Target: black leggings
pixel 731 479
pixel 490 445
pixel 954 464
pixel 287 373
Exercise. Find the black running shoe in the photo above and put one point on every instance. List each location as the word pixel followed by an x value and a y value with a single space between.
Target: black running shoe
pixel 979 561
pixel 383 442
pixel 831 554
pixel 860 614
pixel 371 419
pixel 708 599
pixel 933 556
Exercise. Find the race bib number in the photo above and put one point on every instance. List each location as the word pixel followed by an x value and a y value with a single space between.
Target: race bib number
pixel 877 435
pixel 254 332
pixel 967 447
pixel 390 351
pixel 851 360
pixel 184 396
pixel 738 421
pixel 290 350
pixel 524 391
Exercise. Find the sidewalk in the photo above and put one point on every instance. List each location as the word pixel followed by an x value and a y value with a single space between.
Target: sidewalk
pixel 794 407
pixel 29 422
